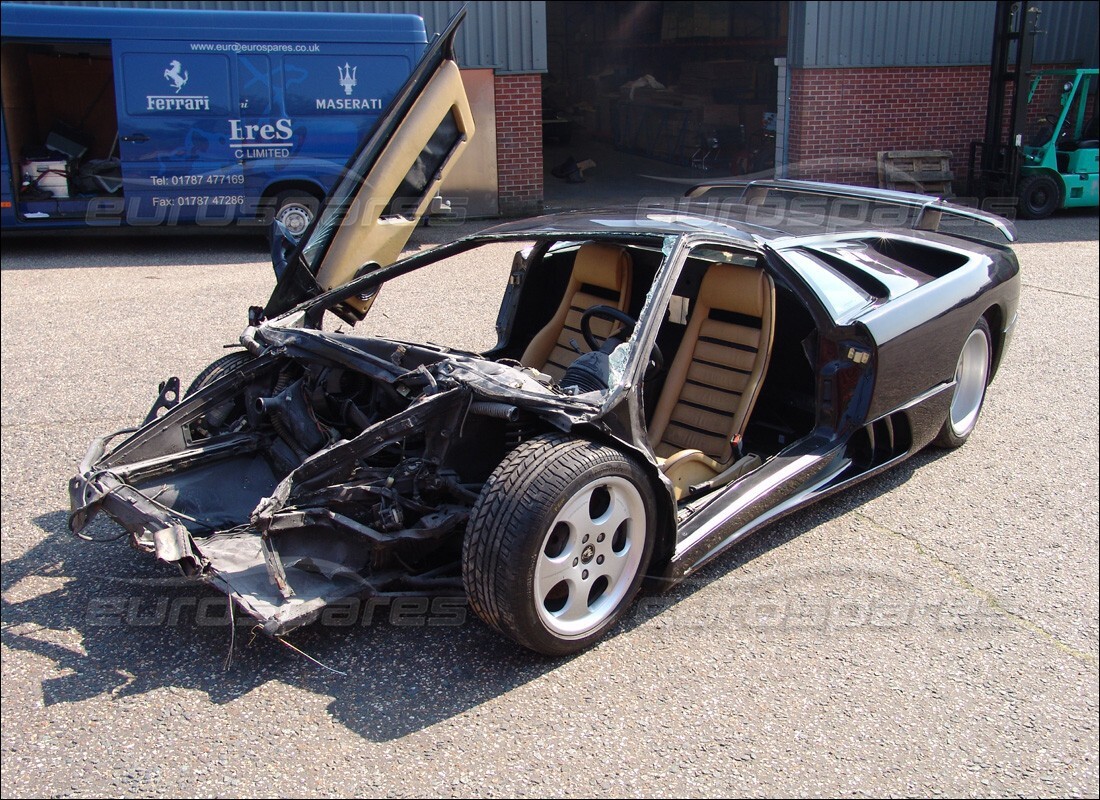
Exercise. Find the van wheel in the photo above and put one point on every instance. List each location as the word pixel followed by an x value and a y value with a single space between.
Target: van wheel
pixel 295 209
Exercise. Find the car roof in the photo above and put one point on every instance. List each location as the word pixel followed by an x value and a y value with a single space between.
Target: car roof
pixel 732 221
pixel 765 210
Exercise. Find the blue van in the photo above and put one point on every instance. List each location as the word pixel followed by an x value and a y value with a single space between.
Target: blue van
pixel 142 117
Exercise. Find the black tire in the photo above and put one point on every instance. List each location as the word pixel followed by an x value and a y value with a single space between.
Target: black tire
pixel 296 209
pixel 558 509
pixel 971 379
pixel 224 365
pixel 1040 196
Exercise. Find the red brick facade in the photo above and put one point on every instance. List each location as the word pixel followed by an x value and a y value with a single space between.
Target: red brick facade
pixel 841 118
pixel 519 144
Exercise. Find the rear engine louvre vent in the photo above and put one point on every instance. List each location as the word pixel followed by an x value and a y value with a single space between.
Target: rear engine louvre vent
pixel 932 261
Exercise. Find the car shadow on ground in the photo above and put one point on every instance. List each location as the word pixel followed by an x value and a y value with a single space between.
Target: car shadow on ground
pixel 69 251
pixel 184 247
pixel 113 621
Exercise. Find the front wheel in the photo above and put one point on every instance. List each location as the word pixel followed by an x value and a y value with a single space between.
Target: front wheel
pixel 1040 196
pixel 971 379
pixel 217 369
pixel 558 543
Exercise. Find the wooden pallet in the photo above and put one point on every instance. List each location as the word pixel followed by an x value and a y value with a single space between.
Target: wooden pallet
pixel 923 171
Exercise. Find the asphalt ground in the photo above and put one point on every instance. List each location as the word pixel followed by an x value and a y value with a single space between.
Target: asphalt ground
pixel 932 632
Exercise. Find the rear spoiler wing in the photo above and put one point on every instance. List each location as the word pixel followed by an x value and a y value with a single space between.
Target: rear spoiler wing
pixel 930 209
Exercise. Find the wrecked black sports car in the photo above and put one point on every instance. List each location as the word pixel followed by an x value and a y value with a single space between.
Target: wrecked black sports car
pixel 656 385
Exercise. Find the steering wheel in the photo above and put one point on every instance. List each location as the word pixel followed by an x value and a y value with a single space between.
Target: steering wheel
pixel 1046 131
pixel 1067 129
pixel 608 313
pixel 656 357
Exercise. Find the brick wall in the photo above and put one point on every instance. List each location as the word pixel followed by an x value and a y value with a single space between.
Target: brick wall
pixel 519 144
pixel 840 118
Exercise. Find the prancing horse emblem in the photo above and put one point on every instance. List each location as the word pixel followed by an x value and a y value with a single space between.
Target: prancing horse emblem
pixel 176 75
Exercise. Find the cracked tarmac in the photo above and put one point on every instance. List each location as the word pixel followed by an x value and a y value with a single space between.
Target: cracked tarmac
pixel 933 631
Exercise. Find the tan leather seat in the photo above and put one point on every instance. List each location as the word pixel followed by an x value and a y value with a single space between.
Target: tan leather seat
pixel 715 378
pixel 601 276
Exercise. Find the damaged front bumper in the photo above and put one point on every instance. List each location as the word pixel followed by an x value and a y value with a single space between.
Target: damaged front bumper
pixel 287 563
pixel 378 509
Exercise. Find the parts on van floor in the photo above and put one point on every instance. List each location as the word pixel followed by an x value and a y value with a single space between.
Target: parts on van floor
pixel 119 116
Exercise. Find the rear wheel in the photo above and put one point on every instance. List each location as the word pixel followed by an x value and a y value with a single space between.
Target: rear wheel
pixel 558 543
pixel 295 209
pixel 1040 196
pixel 971 379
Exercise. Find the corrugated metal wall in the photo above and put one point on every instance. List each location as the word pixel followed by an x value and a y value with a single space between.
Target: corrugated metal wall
pixel 929 33
pixel 509 37
pixel 1069 29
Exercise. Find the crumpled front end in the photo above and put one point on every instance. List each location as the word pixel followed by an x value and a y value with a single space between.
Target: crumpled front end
pixel 327 467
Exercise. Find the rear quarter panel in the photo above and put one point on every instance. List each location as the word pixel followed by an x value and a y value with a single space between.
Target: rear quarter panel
pixel 919 335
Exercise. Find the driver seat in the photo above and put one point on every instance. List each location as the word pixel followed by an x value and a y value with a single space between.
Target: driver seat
pixel 714 380
pixel 601 276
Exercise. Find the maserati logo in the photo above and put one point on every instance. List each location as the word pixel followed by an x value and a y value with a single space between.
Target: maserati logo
pixel 176 75
pixel 348 103
pixel 347 77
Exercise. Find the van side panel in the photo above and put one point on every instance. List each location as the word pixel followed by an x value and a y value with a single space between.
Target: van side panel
pixel 329 99
pixel 217 112
pixel 7 207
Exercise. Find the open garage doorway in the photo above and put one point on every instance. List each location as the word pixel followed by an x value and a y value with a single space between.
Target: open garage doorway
pixel 642 98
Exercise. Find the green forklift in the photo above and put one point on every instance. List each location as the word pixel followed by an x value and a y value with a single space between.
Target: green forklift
pixel 1040 146
pixel 1060 154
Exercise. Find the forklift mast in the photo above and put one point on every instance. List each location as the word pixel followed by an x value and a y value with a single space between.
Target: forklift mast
pixel 994 163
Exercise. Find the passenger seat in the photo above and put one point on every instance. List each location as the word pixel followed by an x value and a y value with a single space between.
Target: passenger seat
pixel 714 380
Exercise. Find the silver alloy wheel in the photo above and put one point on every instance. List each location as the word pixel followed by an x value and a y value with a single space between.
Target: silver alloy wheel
pixel 296 216
pixel 971 376
pixel 590 556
